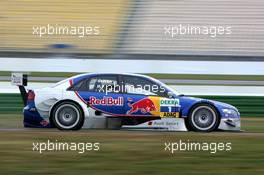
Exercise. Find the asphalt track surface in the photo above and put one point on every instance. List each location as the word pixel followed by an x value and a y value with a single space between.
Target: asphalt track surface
pixel 55 130
pixel 47 130
pixel 14 122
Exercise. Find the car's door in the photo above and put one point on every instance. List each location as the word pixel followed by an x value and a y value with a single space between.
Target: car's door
pixel 144 97
pixel 101 93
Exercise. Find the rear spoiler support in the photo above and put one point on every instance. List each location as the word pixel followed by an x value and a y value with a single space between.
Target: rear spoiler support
pixel 24 94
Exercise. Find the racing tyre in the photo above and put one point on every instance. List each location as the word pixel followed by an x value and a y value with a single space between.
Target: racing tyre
pixel 68 116
pixel 203 118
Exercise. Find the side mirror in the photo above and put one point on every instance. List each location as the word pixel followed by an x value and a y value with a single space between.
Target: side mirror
pixel 170 94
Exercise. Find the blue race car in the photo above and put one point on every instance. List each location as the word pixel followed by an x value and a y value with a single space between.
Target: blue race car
pixel 108 100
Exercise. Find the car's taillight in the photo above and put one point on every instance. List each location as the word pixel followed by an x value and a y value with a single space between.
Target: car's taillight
pixel 31 95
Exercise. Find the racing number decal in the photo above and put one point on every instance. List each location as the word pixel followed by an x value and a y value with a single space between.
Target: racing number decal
pixel 169 108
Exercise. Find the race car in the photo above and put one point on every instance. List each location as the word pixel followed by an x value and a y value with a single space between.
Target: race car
pixel 118 101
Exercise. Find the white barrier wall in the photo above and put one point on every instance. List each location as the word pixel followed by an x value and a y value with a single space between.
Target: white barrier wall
pixel 133 66
pixel 6 87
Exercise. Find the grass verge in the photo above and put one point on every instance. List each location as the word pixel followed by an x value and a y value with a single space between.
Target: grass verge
pixel 130 152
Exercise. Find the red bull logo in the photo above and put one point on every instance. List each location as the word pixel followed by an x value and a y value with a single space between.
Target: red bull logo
pixel 109 101
pixel 145 105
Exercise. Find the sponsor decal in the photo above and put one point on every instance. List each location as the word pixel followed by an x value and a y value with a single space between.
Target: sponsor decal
pixel 165 123
pixel 44 123
pixel 145 105
pixel 169 107
pixel 169 102
pixel 107 101
pixel 169 114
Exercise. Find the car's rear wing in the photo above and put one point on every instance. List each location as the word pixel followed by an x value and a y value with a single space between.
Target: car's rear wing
pixel 20 80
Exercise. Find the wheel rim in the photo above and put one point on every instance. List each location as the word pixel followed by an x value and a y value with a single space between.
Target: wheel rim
pixel 67 116
pixel 203 118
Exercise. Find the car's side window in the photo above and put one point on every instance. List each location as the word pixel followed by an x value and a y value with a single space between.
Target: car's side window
pixel 79 86
pixel 141 86
pixel 103 84
pixel 100 83
pixel 91 84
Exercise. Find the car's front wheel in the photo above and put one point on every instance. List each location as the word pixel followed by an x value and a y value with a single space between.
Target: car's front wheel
pixel 204 118
pixel 68 116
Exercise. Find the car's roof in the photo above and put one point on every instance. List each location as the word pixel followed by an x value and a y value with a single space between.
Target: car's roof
pixel 80 76
pixel 109 73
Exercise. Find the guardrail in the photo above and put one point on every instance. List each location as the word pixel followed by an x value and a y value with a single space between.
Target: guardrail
pixel 143 66
pixel 248 106
pixel 10 103
pixel 170 81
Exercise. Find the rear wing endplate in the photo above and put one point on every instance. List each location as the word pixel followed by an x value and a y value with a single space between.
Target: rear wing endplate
pixel 20 80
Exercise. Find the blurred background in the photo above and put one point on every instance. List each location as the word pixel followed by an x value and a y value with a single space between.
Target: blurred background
pixel 134 27
pixel 132 37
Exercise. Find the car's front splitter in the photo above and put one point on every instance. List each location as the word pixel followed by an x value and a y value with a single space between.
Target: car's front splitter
pixel 178 124
pixel 230 124
pixel 163 124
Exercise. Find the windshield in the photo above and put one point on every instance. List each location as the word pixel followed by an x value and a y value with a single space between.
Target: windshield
pixel 168 88
pixel 63 81
pixel 59 83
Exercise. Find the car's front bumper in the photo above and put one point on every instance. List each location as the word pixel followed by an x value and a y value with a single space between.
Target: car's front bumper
pixel 230 124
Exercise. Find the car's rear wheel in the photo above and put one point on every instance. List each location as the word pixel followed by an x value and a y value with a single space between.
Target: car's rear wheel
pixel 68 116
pixel 203 118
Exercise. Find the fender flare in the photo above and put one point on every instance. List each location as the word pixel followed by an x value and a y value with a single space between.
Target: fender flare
pixel 204 102
pixel 66 100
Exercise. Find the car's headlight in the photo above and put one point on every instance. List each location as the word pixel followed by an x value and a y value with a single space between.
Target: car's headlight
pixel 230 112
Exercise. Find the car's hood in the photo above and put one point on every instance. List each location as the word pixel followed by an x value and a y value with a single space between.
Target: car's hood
pixel 216 103
pixel 224 105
